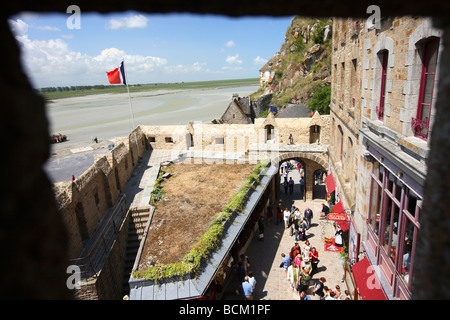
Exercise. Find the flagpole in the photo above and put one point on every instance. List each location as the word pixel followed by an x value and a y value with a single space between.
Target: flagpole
pixel 129 99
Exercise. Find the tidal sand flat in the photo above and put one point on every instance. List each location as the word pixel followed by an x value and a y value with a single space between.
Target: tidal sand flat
pixel 107 116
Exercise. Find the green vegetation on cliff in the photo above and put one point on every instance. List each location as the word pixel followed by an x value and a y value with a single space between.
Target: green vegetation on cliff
pixel 302 67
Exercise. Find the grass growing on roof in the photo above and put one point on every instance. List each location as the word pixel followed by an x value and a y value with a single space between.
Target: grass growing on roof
pixel 210 240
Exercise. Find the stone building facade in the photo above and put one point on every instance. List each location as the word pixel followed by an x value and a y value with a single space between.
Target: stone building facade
pixel 345 108
pixel 384 90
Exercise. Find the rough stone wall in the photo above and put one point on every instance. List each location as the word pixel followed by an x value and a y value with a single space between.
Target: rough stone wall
pixel 300 128
pixel 83 203
pixel 235 115
pixel 402 37
pixel 236 137
pixel 262 104
pixel 348 35
pixel 108 284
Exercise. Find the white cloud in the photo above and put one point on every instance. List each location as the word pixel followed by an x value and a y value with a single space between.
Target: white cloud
pixel 51 63
pixel 258 61
pixel 230 43
pixel 233 59
pixel 46 28
pixel 138 21
pixel 18 27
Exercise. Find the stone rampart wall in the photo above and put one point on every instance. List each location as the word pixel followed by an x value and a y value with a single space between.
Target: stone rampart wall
pixel 83 203
pixel 237 137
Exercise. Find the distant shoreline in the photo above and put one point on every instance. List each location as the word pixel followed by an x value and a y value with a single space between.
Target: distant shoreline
pixel 120 89
pixel 107 115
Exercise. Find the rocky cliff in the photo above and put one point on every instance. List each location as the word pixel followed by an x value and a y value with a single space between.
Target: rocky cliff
pixel 302 66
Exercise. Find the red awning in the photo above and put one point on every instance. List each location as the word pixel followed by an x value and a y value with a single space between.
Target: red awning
pixel 338 214
pixel 329 184
pixel 367 283
pixel 338 208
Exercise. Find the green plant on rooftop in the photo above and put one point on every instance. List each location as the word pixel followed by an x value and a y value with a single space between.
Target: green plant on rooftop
pixel 211 239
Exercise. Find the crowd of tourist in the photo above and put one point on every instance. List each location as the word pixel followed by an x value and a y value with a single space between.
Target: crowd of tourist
pixel 300 264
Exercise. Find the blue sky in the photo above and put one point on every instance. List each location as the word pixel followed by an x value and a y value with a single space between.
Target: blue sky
pixel 156 48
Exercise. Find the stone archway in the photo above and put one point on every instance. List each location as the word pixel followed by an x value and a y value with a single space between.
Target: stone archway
pixel 313 161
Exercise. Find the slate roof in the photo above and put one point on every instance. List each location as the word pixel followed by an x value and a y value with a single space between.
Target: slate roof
pixel 295 111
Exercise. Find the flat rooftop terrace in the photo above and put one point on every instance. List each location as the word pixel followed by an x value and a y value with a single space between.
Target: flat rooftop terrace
pixel 194 195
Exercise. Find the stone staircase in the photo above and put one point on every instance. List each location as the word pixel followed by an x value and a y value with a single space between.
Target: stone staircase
pixel 136 232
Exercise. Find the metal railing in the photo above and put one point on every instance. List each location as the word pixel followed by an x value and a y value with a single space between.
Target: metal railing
pixel 91 263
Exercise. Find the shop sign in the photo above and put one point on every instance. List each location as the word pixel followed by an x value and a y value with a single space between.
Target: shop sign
pixel 337 216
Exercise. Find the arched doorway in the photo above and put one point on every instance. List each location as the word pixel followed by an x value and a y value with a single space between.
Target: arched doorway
pixel 292 178
pixel 319 189
pixel 311 163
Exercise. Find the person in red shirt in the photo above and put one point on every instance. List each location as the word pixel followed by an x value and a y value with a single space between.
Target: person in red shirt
pixel 314 258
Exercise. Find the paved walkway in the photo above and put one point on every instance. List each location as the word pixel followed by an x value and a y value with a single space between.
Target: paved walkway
pixel 265 256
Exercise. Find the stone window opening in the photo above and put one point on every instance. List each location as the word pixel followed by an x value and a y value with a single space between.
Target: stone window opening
pixel 269 132
pixel 314 134
pixel 383 56
pixel 420 124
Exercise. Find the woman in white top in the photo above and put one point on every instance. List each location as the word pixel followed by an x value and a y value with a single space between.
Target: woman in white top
pixel 286 215
pixel 306 249
pixel 292 275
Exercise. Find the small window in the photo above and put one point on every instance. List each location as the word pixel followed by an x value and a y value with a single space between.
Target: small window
pixel 152 139
pixel 169 140
pixel 219 140
pixel 384 60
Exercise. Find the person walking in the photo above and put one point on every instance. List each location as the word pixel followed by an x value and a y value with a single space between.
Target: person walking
pixel 303 281
pixel 279 215
pixel 314 258
pixel 247 289
pixel 286 216
pixel 286 186
pixel 292 275
pixel 286 262
pixel 308 215
pixel 302 187
pixel 291 185
pixel 306 249
pixel 318 288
